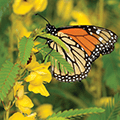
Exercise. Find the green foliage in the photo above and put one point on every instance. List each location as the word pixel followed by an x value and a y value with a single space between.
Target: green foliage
pixel 7 78
pixel 111 110
pixel 25 47
pixel 57 118
pixel 56 56
pixel 77 112
pixel 3 2
pixel 3 53
pixel 112 70
pixel 3 6
pixel 118 117
pixel 67 95
pixel 63 96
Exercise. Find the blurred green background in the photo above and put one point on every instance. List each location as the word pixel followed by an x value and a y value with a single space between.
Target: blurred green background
pixel 103 81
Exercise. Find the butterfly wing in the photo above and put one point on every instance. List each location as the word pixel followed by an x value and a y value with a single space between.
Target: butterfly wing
pixel 85 44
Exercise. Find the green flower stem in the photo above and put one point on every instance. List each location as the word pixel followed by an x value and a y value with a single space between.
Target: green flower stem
pixel 101 9
pixel 7 108
pixel 11 48
pixel 7 114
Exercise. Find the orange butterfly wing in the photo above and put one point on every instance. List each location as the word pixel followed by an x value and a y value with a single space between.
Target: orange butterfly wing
pixel 85 44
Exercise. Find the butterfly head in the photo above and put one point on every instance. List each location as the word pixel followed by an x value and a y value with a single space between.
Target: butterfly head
pixel 50 29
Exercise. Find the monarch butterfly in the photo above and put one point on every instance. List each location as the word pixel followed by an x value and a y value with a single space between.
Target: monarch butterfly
pixel 85 44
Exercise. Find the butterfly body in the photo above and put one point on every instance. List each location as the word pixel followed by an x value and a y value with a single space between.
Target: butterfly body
pixel 85 44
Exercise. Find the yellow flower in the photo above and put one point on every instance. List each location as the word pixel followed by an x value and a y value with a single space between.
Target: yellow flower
pixel 18 89
pixel 22 7
pixel 38 76
pixel 44 110
pixel 15 116
pixel 18 28
pixel 40 5
pixel 39 89
pixel 80 17
pixel 104 101
pixel 24 104
pixel 64 8
pixel 20 116
pixel 32 63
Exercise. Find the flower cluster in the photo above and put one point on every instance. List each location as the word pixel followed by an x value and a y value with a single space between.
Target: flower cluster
pixel 22 7
pixel 21 16
pixel 23 102
pixel 39 73
pixel 20 116
pixel 38 76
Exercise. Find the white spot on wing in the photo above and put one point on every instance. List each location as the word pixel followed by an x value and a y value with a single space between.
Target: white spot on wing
pixel 91 33
pixel 98 31
pixel 89 29
pixel 100 39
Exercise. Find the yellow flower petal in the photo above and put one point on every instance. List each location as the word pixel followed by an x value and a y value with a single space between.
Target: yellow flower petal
pixel 25 110
pixel 80 18
pixel 32 63
pixel 25 102
pixel 104 101
pixel 37 81
pixel 40 5
pixel 38 89
pixel 16 87
pixel 22 7
pixel 38 77
pixel 45 75
pixel 20 116
pixel 20 92
pixel 31 77
pixel 42 66
pixel 44 110
pixel 15 116
pixel 41 74
pixel 73 23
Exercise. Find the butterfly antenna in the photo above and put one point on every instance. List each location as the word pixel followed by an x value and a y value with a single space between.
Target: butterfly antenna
pixel 42 17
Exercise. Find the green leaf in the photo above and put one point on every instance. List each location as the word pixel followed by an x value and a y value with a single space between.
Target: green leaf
pixel 77 112
pixel 25 47
pixel 57 118
pixel 7 78
pixel 62 61
pixel 55 39
pixel 41 46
